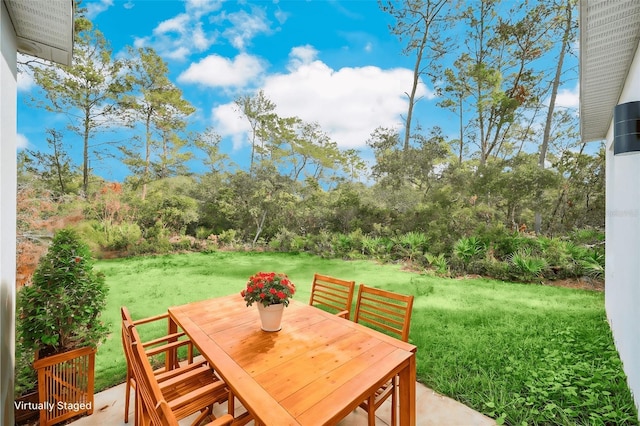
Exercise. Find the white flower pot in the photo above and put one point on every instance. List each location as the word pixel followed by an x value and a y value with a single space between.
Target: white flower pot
pixel 271 316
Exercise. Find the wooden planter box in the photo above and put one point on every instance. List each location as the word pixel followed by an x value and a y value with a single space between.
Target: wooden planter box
pixel 65 385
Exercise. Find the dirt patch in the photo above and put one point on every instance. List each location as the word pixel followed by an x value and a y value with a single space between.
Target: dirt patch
pixel 578 283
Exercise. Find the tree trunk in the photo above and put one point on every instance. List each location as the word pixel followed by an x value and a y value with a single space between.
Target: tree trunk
pixel 552 102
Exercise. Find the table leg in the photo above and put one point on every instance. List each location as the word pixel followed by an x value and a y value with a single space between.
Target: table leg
pixel 408 393
pixel 171 359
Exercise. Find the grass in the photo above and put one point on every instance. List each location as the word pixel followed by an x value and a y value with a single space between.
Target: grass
pixel 522 354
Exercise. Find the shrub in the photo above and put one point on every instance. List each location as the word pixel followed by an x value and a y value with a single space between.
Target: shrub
pixel 283 241
pixel 526 266
pixel 412 244
pixel 202 232
pixel 228 237
pixel 61 310
pixel 587 236
pixel 342 244
pixel 370 245
pixel 25 376
pixel 467 248
pixel 557 255
pixel 439 263
pixel 592 265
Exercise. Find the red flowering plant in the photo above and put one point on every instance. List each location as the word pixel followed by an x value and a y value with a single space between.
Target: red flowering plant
pixel 268 288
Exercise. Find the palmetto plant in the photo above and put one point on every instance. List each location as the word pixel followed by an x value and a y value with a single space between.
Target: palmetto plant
pixel 371 245
pixel 466 248
pixel 593 265
pixel 439 262
pixel 412 244
pixel 528 266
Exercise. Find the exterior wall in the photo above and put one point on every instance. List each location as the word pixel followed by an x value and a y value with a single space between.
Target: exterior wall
pixel 8 129
pixel 622 295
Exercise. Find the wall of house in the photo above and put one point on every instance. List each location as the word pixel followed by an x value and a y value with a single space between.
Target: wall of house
pixel 8 129
pixel 622 294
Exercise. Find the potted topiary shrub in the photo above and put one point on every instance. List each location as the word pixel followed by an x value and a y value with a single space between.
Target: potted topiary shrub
pixel 59 320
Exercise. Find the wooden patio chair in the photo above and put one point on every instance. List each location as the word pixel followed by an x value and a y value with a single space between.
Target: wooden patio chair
pixel 192 373
pixel 332 294
pixel 390 313
pixel 154 407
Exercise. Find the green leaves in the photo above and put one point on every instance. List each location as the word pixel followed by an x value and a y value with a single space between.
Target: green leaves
pixel 61 309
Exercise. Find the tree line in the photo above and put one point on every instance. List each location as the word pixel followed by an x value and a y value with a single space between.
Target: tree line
pixel 517 165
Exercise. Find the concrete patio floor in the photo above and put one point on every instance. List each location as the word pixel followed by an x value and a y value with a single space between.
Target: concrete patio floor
pixel 432 410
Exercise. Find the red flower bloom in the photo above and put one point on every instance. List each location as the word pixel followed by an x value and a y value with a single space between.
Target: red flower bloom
pixel 268 288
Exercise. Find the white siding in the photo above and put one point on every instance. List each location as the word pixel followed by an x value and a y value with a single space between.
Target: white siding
pixel 622 294
pixel 7 214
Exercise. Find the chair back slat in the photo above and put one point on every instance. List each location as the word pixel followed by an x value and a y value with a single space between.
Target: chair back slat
pixel 333 294
pixel 384 310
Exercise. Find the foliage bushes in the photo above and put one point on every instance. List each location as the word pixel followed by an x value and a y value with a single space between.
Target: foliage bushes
pixel 491 251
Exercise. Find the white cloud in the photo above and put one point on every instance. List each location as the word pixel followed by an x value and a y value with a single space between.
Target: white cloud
pixel 179 53
pixel 568 98
pixel 176 24
pixel 202 7
pixel 301 55
pixel 22 141
pixel 201 25
pixel 182 35
pixel 217 71
pixel 348 103
pixel 94 9
pixel 281 16
pixel 25 80
pixel 245 26
pixel 228 121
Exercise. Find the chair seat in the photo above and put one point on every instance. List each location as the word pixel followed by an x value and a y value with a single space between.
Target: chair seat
pixel 189 397
pixel 381 395
pixel 162 374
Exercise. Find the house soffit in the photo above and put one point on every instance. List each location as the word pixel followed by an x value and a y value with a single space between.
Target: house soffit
pixel 609 36
pixel 44 28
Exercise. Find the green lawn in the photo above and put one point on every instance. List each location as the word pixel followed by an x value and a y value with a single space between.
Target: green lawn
pixel 519 353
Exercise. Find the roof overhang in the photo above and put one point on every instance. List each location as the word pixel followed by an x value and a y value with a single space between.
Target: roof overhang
pixel 44 28
pixel 609 36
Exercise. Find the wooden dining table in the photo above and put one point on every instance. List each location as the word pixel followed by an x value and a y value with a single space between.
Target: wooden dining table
pixel 315 371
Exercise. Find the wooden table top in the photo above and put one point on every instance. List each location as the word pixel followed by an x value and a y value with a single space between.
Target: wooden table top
pixel 316 370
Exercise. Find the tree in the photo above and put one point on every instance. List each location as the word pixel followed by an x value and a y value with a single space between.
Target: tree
pixel 158 104
pixel 564 23
pixel 497 72
pixel 55 170
pixel 209 142
pixel 169 208
pixel 420 22
pixel 259 198
pixel 259 111
pixel 86 92
pixel 416 166
pixel 579 200
pixel 509 187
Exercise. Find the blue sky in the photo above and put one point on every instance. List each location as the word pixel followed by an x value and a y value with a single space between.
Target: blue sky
pixel 328 61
